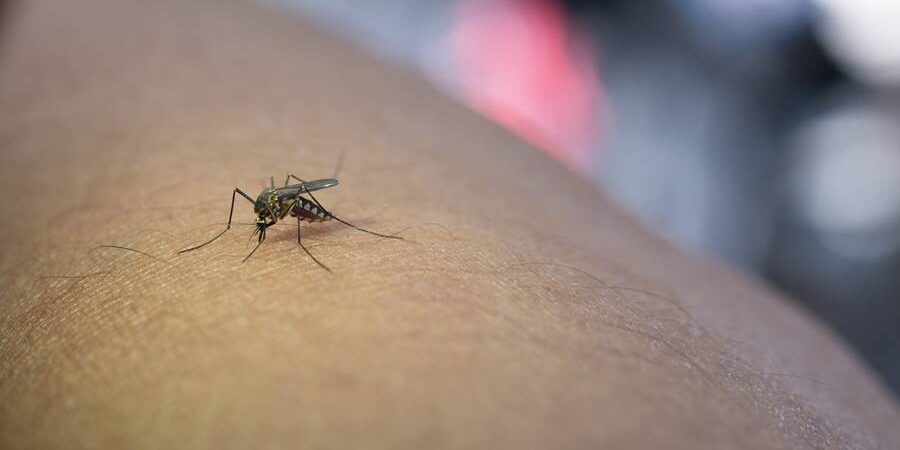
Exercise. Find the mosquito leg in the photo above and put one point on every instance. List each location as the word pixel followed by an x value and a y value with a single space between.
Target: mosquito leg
pixel 300 242
pixel 296 178
pixel 348 223
pixel 287 210
pixel 227 227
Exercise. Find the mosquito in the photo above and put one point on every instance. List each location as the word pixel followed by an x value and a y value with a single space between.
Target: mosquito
pixel 275 203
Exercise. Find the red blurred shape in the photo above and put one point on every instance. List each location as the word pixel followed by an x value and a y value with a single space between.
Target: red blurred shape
pixel 520 65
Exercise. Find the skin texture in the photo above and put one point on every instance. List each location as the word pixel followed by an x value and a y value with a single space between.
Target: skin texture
pixel 522 310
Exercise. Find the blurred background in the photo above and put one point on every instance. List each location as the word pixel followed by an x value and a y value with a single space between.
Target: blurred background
pixel 766 132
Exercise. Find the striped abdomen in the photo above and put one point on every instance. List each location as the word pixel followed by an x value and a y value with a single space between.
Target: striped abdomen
pixel 308 210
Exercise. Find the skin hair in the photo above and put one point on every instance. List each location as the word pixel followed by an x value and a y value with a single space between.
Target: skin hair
pixel 521 310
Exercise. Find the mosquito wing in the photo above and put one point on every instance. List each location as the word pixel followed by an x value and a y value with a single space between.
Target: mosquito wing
pixel 299 188
pixel 315 185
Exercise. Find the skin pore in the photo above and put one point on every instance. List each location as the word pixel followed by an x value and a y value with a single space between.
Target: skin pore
pixel 521 310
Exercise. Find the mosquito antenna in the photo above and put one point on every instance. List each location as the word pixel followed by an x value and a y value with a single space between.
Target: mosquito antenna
pixel 348 223
pixel 272 182
pixel 339 165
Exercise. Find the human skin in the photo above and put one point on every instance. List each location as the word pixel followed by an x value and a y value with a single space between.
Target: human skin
pixel 521 310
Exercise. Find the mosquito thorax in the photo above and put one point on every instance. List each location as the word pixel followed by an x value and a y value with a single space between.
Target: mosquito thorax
pixel 263 201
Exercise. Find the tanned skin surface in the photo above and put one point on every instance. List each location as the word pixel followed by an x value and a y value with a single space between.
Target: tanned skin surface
pixel 522 309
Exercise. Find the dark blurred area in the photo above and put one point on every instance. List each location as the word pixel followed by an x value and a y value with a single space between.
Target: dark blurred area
pixel 762 131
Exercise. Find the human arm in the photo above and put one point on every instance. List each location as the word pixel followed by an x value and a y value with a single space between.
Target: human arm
pixel 518 312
